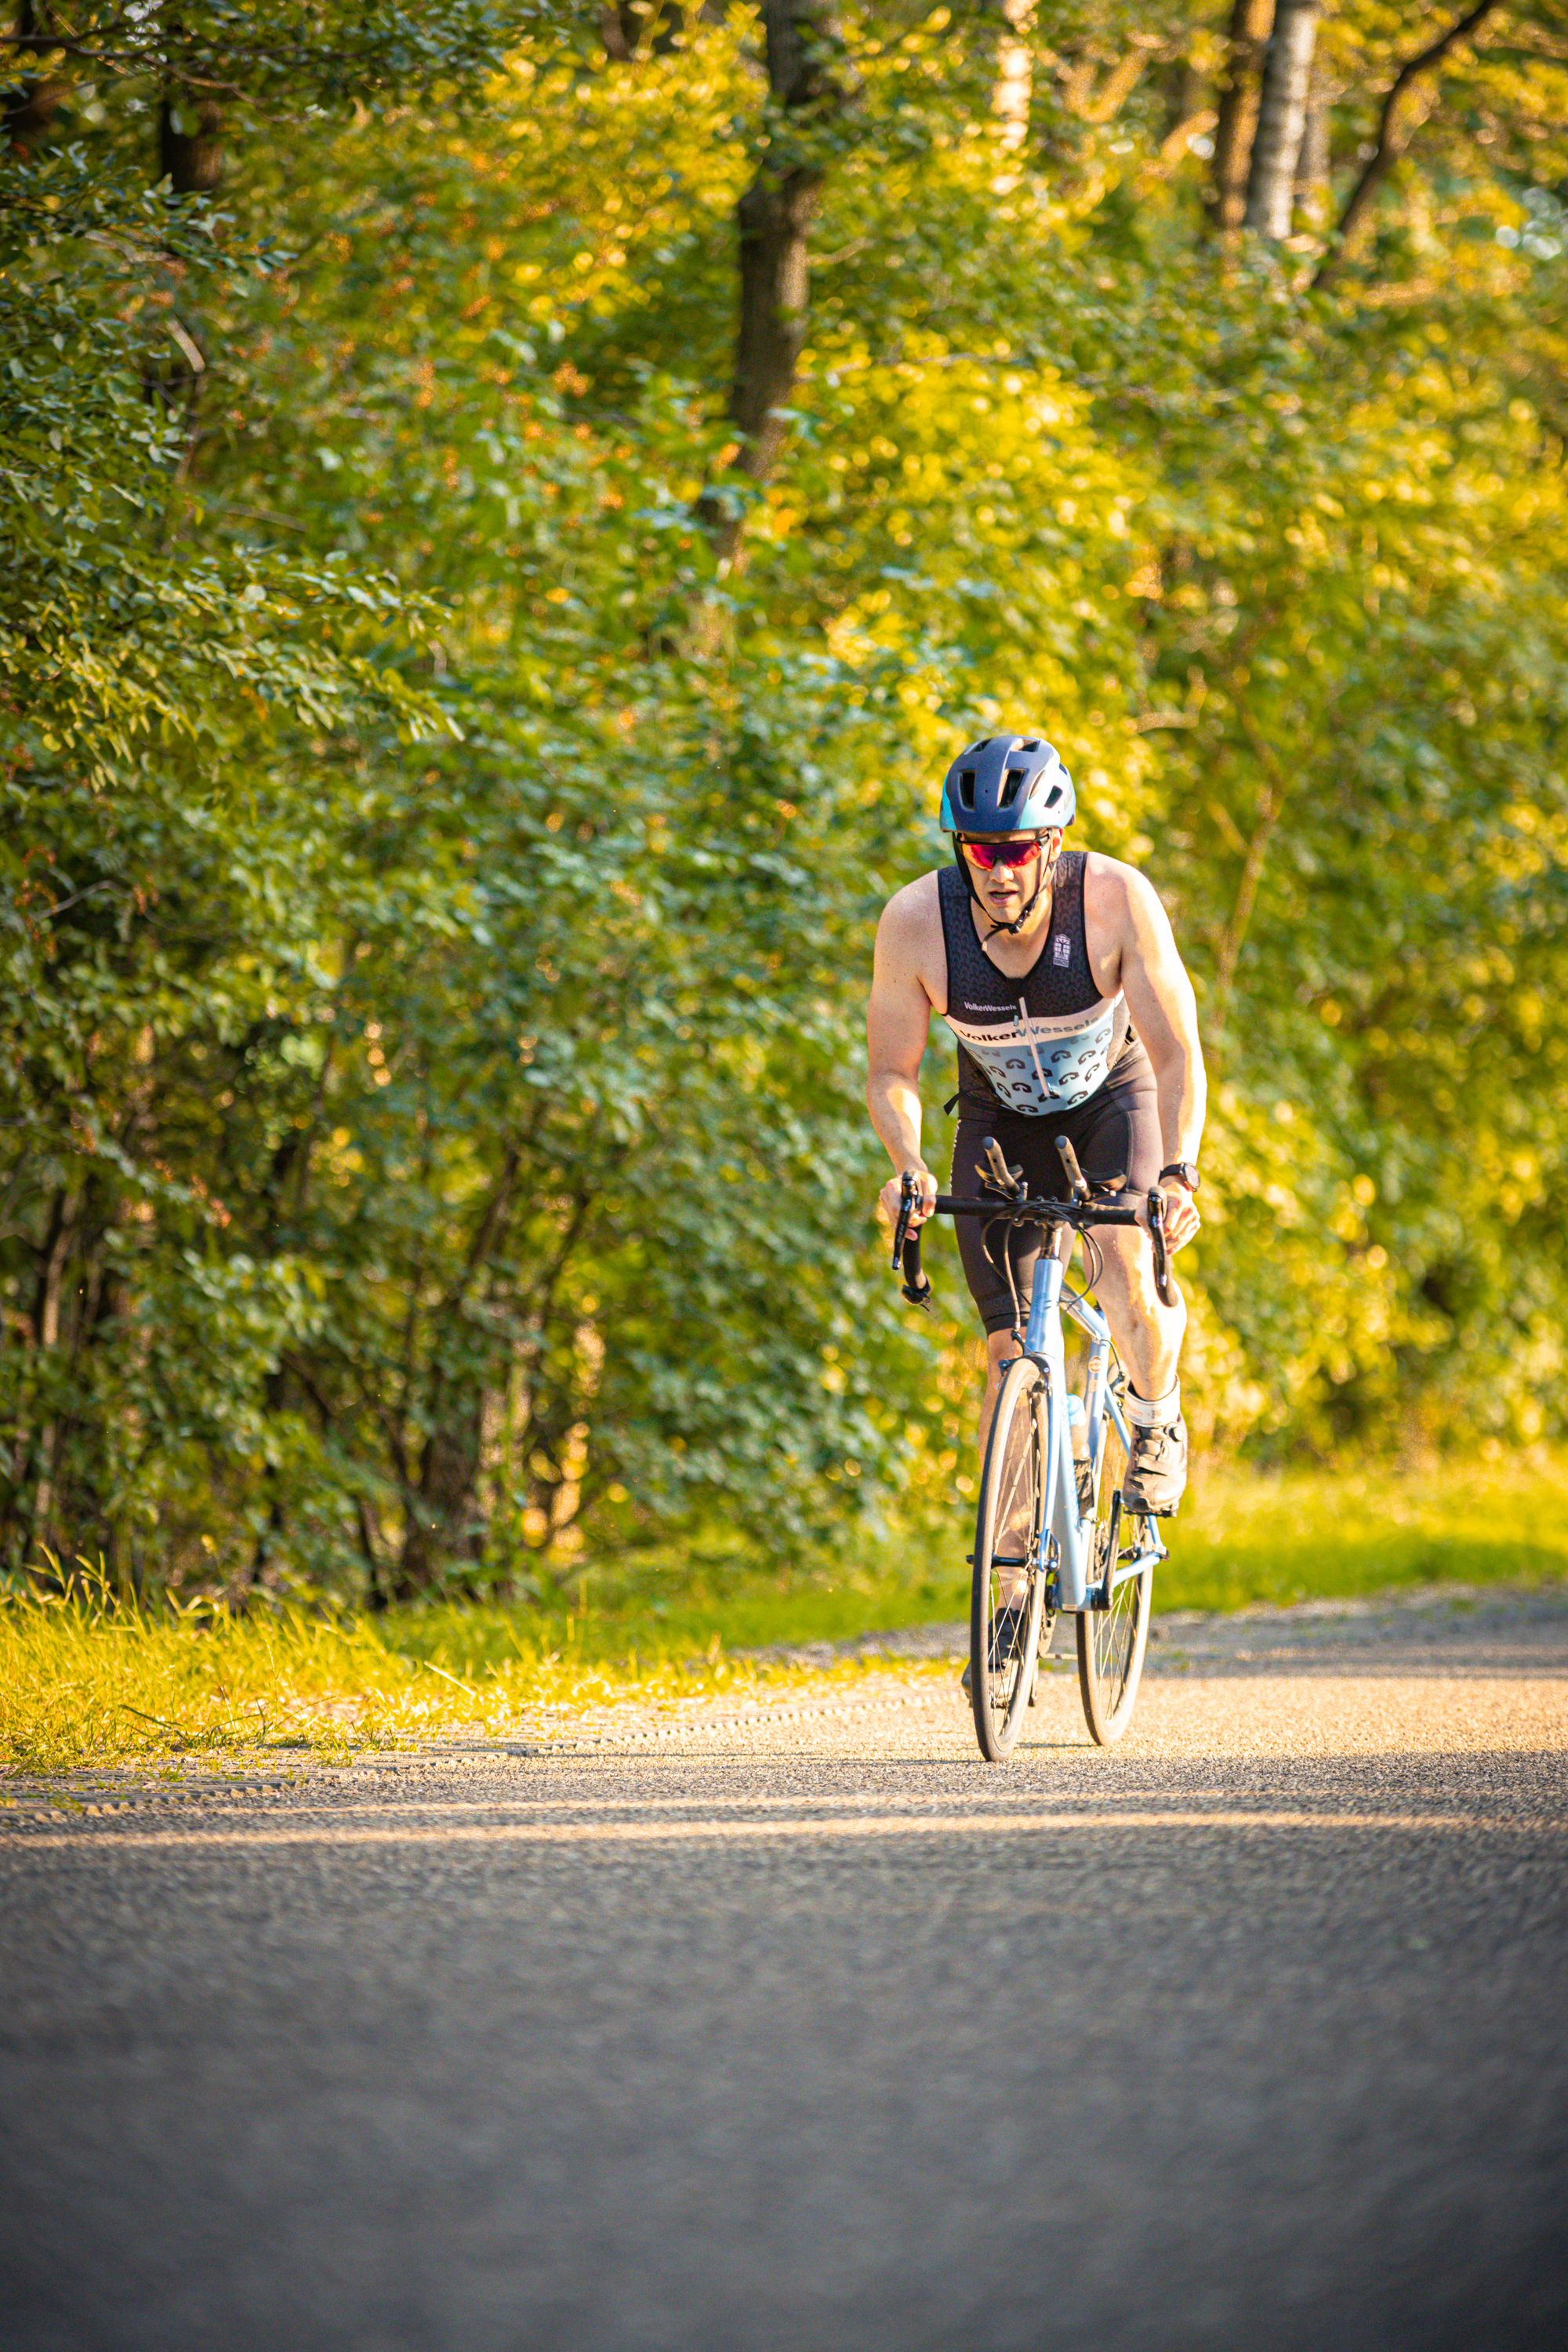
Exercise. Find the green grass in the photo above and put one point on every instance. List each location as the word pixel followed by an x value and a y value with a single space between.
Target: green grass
pixel 89 1680
pixel 1307 1535
pixel 92 1682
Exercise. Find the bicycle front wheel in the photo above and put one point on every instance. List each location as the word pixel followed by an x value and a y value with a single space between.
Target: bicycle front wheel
pixel 1009 1588
pixel 1111 1641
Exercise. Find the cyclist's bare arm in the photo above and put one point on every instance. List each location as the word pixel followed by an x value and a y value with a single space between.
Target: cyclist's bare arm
pixel 1125 909
pixel 898 1023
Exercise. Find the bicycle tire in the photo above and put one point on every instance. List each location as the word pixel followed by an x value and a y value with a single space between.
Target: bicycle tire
pixel 1014 1500
pixel 1111 1641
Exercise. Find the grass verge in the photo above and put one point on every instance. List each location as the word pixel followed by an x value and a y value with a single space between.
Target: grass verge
pixel 89 1683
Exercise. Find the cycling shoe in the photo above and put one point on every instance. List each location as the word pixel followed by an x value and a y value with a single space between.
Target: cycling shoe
pixel 1156 1470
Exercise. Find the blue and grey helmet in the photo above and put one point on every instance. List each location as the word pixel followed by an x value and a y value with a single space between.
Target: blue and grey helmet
pixel 1008 784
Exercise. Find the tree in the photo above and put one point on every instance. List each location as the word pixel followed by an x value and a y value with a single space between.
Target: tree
pixel 1251 22
pixel 436 952
pixel 773 221
pixel 1281 118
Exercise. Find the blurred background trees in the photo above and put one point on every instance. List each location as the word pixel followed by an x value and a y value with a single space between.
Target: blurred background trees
pixel 505 516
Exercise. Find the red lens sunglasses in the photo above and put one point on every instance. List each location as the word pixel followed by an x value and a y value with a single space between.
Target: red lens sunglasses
pixel 988 854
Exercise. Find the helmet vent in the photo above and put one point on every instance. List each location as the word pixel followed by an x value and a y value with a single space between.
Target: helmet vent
pixel 1032 745
pixel 1053 796
pixel 1013 785
pixel 966 787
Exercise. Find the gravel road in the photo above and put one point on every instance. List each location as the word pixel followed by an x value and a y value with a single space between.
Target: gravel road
pixel 797 2027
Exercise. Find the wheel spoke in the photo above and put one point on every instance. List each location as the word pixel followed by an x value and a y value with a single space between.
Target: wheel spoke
pixel 1110 1639
pixel 1007 1564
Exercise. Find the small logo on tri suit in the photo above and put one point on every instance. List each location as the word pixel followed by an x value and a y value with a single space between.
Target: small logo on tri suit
pixel 1061 949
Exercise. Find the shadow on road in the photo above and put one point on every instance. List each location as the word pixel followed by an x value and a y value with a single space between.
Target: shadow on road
pixel 815 2031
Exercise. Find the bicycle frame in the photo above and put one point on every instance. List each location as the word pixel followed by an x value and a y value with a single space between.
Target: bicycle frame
pixel 1072 1535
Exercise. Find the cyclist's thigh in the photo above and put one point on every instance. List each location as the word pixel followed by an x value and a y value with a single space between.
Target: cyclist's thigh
pixel 1116 1134
pixel 1026 1144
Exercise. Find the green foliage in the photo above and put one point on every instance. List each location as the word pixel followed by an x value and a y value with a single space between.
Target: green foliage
pixel 122 635
pixel 439 891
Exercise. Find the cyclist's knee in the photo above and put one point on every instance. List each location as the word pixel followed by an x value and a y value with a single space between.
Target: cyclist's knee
pixel 1127 1285
pixel 1170 1321
pixel 1129 1264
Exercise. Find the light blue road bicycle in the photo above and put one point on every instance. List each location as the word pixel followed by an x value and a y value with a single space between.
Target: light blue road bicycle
pixel 1051 1536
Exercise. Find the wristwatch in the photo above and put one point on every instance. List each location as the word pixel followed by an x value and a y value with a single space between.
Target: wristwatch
pixel 1184 1171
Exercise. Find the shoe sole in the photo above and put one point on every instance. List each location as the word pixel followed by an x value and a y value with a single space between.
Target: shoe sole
pixel 1150 1510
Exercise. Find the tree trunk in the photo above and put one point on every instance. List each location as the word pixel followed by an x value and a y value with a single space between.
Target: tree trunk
pixel 190 156
pixel 1014 80
pixel 774 223
pixel 646 28
pixel 1281 118
pixel 1251 22
pixel 1186 93
pixel 51 1256
pixel 39 1449
pixel 1312 162
pixel 30 104
pixel 439 1525
pixel 775 218
pixel 441 1518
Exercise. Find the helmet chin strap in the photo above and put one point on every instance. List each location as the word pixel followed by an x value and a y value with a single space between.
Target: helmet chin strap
pixel 1048 875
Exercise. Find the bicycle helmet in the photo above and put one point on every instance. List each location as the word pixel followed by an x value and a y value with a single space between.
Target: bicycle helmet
pixel 1007 783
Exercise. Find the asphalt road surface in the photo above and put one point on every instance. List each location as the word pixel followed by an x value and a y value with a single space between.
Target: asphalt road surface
pixel 800 2027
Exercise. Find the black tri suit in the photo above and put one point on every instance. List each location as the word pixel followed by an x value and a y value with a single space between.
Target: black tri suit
pixel 1038 1057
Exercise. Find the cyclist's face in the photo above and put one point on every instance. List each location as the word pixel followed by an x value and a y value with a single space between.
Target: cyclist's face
pixel 1003 887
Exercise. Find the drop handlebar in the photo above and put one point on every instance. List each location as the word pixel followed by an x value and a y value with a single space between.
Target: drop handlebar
pixel 1014 1207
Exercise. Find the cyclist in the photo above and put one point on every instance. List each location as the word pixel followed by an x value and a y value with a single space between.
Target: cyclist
pixel 1056 970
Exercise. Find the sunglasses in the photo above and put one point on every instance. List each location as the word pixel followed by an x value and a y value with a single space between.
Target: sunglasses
pixel 988 854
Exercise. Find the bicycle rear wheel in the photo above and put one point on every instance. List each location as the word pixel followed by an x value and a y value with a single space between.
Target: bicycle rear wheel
pixel 1009 1586
pixel 1111 1641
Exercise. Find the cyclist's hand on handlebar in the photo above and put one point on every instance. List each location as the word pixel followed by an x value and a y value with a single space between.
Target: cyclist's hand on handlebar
pixel 891 1194
pixel 1182 1218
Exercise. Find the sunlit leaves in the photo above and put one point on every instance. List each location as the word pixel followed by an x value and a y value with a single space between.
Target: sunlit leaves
pixel 440 896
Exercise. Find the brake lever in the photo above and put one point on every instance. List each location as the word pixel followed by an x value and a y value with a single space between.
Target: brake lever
pixel 906 1245
pixel 906 1209
pixel 1164 1288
